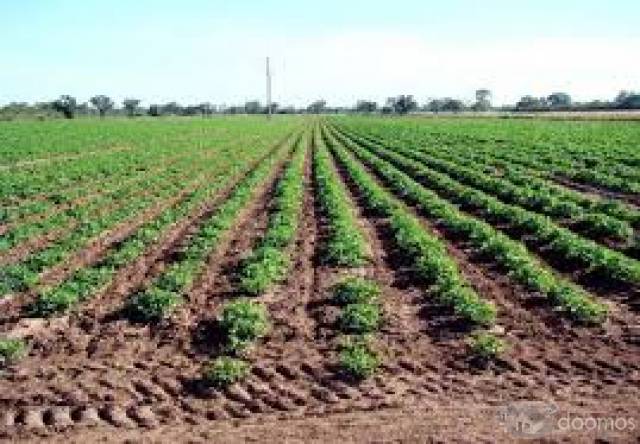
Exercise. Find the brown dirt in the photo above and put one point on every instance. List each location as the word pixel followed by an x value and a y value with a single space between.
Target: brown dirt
pixel 37 243
pixel 90 192
pixel 424 423
pixel 83 186
pixel 118 382
pixel 129 278
pixel 605 288
pixel 597 191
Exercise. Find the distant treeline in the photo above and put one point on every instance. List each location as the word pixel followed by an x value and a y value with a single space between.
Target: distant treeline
pixel 101 105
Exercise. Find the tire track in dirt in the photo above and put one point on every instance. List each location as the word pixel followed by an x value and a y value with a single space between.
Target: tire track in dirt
pixel 150 383
pixel 157 367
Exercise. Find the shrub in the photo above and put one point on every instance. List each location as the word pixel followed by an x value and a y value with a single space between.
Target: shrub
pixel 243 321
pixel 602 225
pixel 356 290
pixel 264 267
pixel 225 371
pixel 487 346
pixel 345 248
pixel 360 318
pixel 11 350
pixel 358 360
pixel 55 301
pixel 178 278
pixel 153 304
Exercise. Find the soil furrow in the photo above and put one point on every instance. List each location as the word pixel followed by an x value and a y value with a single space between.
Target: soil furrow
pixel 597 191
pixel 530 325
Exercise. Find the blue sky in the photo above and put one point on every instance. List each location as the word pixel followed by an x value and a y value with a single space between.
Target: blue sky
pixel 196 50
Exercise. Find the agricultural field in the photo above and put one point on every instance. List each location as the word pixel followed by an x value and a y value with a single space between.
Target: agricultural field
pixel 308 277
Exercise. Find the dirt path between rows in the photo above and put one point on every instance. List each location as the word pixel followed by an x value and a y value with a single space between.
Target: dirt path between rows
pixel 119 382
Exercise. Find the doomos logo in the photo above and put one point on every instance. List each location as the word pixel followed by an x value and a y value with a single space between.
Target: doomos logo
pixel 528 419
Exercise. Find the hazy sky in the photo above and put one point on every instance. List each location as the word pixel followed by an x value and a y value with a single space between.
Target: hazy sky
pixel 210 50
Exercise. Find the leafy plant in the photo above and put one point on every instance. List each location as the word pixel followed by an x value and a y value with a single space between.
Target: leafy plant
pixel 225 371
pixel 356 290
pixel 487 346
pixel 360 318
pixel 153 304
pixel 358 360
pixel 243 321
pixel 11 350
pixel 264 267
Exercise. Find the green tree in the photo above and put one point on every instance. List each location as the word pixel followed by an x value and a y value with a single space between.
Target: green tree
pixel 317 107
pixel 206 108
pixel 628 100
pixel 559 100
pixel 402 104
pixel 530 103
pixel 366 106
pixel 131 106
pixel 102 104
pixel 253 107
pixel 435 105
pixel 155 110
pixel 452 105
pixel 66 105
pixel 483 100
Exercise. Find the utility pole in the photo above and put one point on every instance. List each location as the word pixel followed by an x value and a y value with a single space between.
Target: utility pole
pixel 268 90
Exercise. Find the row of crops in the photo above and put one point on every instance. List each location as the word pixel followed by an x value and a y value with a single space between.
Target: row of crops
pixel 87 223
pixel 526 222
pixel 594 153
pixel 73 222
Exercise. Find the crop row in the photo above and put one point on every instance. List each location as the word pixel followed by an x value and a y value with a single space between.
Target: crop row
pixel 360 313
pixel 65 199
pixel 427 254
pixel 26 274
pixel 88 281
pixel 243 321
pixel 522 266
pixel 180 173
pixel 583 166
pixel 147 144
pixel 345 245
pixel 21 276
pixel 269 262
pixel 540 193
pixel 38 216
pixel 609 150
pixel 19 185
pixel 596 258
pixel 167 290
pixel 595 225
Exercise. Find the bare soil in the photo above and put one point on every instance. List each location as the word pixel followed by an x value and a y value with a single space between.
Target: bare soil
pixel 94 377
